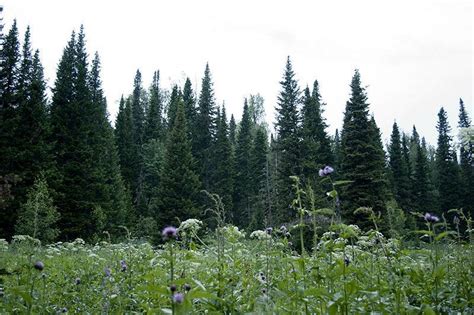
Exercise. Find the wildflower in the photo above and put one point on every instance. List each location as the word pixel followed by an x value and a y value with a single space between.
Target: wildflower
pixel 123 264
pixel 78 281
pixel 39 265
pixel 325 171
pixel 178 298
pixel 431 218
pixel 107 272
pixel 173 288
pixel 187 287
pixel 269 230
pixel 169 232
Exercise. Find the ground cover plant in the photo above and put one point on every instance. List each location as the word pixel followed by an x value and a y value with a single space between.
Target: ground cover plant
pixel 226 270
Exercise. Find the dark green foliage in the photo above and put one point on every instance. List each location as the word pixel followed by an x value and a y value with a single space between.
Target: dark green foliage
pixel 243 177
pixel 363 157
pixel 259 179
pixel 316 146
pixel 337 153
pixel 223 181
pixel 466 155
pixel 189 107
pixel 287 127
pixel 154 121
pixel 205 129
pixel 84 149
pixel 232 131
pixel 421 182
pixel 124 140
pixel 447 170
pixel 399 169
pixel 179 184
pixel 175 98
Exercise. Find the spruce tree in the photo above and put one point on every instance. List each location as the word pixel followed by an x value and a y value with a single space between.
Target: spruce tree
pixel 466 155
pixel 232 131
pixel 337 153
pixel 124 141
pixel 259 173
pixel 363 158
pixel 189 107
pixel 223 181
pixel 179 184
pixel 315 146
pixel 205 129
pixel 287 127
pixel 154 122
pixel 175 98
pixel 421 182
pixel 446 166
pixel 243 176
pixel 399 177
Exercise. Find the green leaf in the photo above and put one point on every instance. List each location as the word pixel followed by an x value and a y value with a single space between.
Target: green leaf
pixel 443 235
pixel 332 193
pixel 342 182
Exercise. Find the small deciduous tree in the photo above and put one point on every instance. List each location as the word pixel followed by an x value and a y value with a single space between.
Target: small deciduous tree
pixel 38 215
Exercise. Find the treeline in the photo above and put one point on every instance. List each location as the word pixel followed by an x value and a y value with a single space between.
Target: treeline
pixel 66 172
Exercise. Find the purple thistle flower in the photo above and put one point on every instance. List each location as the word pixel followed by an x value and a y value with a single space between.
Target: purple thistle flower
pixel 169 232
pixel 187 287
pixel 123 264
pixel 107 272
pixel 178 298
pixel 431 218
pixel 173 288
pixel 269 230
pixel 325 171
pixel 39 265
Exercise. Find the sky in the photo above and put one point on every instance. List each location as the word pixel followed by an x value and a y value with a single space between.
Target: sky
pixel 413 56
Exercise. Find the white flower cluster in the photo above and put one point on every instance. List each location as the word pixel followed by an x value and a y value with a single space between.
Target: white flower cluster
pixel 190 226
pixel 232 233
pixel 260 235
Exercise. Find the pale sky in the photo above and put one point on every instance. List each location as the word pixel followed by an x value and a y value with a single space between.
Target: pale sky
pixel 414 56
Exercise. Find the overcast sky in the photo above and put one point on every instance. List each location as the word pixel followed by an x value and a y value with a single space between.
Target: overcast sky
pixel 414 56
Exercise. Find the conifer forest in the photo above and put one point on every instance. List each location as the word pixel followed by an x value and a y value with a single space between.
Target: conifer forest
pixel 177 206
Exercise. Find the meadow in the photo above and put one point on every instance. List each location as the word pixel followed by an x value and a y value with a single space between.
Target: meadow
pixel 229 271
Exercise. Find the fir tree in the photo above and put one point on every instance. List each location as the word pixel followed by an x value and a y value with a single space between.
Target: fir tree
pixel 316 146
pixel 399 177
pixel 205 129
pixel 232 131
pixel 154 123
pixel 124 141
pixel 421 182
pixel 179 184
pixel 243 177
pixel 175 98
pixel 259 173
pixel 446 166
pixel 363 158
pixel 189 106
pixel 337 153
pixel 287 126
pixel 224 176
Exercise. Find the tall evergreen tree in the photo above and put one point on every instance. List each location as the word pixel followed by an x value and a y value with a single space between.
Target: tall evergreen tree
pixel 205 129
pixel 232 131
pixel 466 156
pixel 154 119
pixel 316 146
pixel 175 98
pixel 287 127
pixel 189 105
pixel 243 177
pixel 179 184
pixel 224 176
pixel 124 141
pixel 399 177
pixel 259 173
pixel 337 153
pixel 85 155
pixel 446 166
pixel 421 182
pixel 363 159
